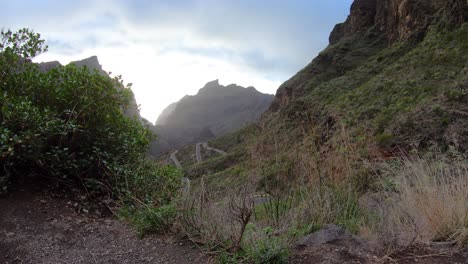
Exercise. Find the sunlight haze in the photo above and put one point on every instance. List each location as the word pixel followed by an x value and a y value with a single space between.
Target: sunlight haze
pixel 169 49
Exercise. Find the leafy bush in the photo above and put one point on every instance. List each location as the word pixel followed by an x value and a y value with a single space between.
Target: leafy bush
pixel 69 124
pixel 268 250
pixel 150 219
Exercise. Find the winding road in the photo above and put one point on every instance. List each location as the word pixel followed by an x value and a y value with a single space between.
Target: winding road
pixel 197 153
pixel 185 180
pixel 205 145
pixel 175 160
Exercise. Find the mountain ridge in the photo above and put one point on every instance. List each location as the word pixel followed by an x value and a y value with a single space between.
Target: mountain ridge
pixel 213 111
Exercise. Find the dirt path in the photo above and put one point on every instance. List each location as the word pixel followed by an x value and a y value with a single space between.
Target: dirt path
pixel 197 153
pixel 35 228
pixel 214 149
pixel 205 145
pixel 175 160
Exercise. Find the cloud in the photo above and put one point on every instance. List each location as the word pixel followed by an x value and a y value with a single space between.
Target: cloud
pixel 171 48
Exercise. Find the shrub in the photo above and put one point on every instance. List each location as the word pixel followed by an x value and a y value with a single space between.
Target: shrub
pixel 149 220
pixel 431 200
pixel 67 123
pixel 268 250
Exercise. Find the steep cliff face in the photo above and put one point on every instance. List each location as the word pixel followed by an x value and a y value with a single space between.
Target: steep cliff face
pixel 372 25
pixel 398 20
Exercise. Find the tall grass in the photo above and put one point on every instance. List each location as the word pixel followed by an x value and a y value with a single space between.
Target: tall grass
pixel 431 199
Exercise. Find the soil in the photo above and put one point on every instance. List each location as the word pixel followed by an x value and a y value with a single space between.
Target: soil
pixel 36 228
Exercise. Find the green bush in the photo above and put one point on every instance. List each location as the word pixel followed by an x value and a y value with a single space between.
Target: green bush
pixel 69 124
pixel 269 250
pixel 149 220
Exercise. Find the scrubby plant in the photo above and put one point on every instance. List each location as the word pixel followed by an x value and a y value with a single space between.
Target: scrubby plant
pixel 148 219
pixel 429 201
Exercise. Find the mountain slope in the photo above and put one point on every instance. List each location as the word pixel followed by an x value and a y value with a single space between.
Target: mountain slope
pixel 392 80
pixel 366 137
pixel 215 110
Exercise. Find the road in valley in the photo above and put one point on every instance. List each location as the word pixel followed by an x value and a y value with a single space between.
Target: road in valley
pixel 185 180
pixel 217 150
pixel 197 153
pixel 175 160
pixel 205 145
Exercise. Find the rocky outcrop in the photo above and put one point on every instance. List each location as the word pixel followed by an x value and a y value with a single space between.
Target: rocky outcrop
pixel 47 66
pixel 371 26
pixel 397 20
pixel 92 63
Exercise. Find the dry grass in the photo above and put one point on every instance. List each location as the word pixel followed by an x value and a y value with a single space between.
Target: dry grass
pixel 430 202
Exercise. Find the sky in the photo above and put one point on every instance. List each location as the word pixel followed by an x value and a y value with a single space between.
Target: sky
pixel 172 48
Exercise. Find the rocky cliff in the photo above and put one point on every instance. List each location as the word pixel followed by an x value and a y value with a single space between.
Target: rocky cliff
pixel 372 26
pixel 398 20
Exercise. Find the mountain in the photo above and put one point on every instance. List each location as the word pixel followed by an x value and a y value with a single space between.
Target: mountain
pixel 215 110
pixel 393 80
pixel 389 71
pixel 92 63
pixel 367 136
pixel 165 114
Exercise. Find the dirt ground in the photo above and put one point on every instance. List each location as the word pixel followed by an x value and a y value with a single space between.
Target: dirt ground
pixel 35 228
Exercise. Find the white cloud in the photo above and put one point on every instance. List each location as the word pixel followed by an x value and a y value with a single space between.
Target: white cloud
pixel 168 50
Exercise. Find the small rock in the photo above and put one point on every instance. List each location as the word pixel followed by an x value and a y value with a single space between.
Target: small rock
pixel 9 234
pixel 43 201
pixel 85 211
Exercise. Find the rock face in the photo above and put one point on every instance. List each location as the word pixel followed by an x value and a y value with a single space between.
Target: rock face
pixel 92 63
pixel 371 26
pixel 213 111
pixel 398 20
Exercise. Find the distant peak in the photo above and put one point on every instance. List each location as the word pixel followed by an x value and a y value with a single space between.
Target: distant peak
pixel 214 83
pixel 92 63
pixel 93 59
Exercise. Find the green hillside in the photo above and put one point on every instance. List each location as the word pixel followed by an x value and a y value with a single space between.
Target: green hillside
pixel 366 113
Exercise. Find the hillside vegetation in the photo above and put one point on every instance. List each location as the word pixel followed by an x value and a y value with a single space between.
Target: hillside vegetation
pixel 369 140
pixel 380 114
pixel 68 127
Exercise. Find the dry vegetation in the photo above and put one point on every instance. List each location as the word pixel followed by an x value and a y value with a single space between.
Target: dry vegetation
pixel 289 191
pixel 429 202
